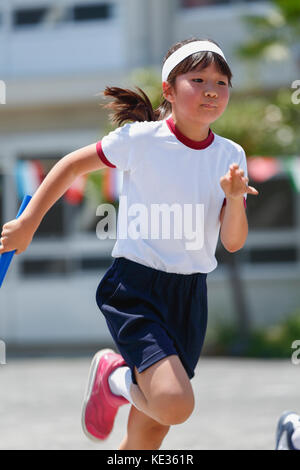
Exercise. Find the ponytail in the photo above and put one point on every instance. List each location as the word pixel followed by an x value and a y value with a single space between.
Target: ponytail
pixel 127 105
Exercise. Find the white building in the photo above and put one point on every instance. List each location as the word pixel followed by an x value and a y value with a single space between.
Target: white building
pixel 55 57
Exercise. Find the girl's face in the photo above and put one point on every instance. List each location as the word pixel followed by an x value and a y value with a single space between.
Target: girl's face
pixel 199 96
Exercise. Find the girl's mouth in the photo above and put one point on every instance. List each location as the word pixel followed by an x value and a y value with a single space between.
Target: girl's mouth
pixel 209 106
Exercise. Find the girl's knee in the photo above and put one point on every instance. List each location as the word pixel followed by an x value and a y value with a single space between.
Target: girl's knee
pixel 168 391
pixel 174 408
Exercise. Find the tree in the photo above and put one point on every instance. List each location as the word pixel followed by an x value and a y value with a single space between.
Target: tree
pixel 275 35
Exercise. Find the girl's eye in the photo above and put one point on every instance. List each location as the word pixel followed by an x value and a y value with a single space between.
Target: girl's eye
pixel 222 83
pixel 197 80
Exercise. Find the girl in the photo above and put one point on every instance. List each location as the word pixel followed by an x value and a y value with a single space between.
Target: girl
pixel 153 296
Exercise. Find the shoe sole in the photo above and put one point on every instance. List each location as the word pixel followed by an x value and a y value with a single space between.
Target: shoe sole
pixel 89 388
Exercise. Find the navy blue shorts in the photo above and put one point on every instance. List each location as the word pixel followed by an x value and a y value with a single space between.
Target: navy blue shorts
pixel 152 314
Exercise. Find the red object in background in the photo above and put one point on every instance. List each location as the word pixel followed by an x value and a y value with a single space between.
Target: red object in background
pixel 263 168
pixel 111 184
pixel 39 170
pixel 74 195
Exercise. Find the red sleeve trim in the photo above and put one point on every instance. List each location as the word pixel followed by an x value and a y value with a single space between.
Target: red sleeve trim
pixel 245 204
pixel 102 156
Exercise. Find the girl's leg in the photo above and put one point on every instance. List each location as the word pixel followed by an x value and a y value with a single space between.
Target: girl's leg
pixel 164 392
pixel 143 433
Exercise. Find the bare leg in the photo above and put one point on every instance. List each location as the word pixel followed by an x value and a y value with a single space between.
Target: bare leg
pixel 143 433
pixel 164 392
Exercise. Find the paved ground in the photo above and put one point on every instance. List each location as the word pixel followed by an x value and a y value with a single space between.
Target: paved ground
pixel 237 405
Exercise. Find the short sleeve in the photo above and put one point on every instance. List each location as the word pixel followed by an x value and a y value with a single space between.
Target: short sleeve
pixel 115 149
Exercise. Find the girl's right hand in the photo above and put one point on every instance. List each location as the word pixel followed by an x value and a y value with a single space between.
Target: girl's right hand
pixel 16 235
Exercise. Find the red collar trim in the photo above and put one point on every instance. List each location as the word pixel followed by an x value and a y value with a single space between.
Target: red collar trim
pixel 193 144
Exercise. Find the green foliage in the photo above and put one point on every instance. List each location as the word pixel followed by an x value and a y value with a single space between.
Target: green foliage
pixel 274 35
pixel 263 124
pixel 150 82
pixel 269 342
pixel 93 187
pixel 290 10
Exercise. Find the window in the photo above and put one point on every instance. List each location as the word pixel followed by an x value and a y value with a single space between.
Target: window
pixel 274 208
pixel 272 211
pixel 273 255
pixel 71 215
pixel 201 3
pixel 92 12
pixel 28 16
pixel 75 211
pixel 63 267
pixel 45 266
pixel 29 174
pixel 23 17
pixel 95 264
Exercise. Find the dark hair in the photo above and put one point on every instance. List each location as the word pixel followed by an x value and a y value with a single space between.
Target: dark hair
pixel 128 105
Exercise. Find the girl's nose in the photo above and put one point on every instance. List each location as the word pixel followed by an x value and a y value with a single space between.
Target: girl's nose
pixel 211 93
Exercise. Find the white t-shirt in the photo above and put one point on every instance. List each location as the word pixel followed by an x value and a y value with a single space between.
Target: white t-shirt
pixel 171 198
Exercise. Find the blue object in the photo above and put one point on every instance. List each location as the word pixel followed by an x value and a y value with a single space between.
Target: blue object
pixel 6 258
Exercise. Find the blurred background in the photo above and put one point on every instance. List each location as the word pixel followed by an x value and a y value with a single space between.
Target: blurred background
pixel 56 57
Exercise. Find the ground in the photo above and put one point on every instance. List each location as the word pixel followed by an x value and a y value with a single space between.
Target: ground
pixel 238 403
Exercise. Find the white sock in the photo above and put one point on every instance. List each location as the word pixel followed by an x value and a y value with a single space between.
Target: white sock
pixel 296 438
pixel 120 381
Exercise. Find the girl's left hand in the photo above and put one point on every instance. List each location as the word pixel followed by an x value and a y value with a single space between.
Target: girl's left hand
pixel 235 184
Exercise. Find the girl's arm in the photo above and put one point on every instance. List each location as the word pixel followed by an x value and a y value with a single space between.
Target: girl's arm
pixel 17 234
pixel 234 223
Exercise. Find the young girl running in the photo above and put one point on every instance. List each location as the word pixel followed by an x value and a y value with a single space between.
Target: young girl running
pixel 153 296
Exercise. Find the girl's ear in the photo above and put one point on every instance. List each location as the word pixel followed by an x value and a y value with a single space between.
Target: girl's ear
pixel 168 92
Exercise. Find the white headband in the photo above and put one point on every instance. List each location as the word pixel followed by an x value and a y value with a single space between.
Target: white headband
pixel 185 51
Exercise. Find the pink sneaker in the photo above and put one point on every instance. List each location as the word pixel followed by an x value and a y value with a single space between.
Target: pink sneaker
pixel 100 404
